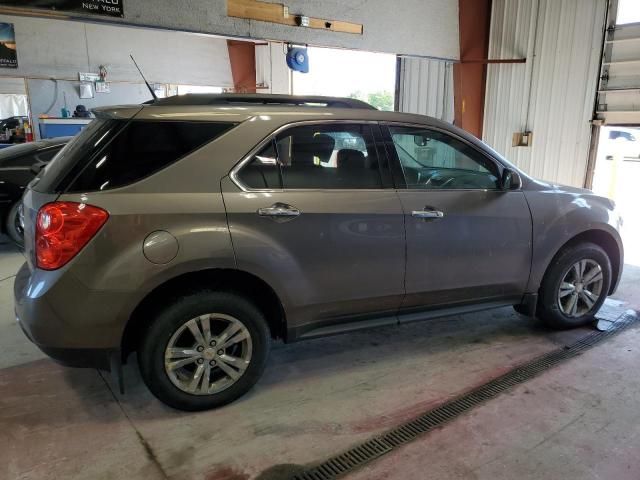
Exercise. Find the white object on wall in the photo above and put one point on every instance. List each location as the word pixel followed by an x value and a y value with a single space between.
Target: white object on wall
pixel 86 90
pixel 13 105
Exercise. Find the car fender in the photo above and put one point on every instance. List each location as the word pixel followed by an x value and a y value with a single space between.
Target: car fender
pixel 560 214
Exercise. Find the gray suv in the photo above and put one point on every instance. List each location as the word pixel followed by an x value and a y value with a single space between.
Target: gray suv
pixel 197 229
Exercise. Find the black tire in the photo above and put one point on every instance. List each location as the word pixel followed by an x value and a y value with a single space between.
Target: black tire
pixel 156 339
pixel 12 226
pixel 549 310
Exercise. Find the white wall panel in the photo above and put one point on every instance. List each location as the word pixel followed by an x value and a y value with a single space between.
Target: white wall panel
pixel 271 68
pixel 60 49
pixel 426 87
pixel 551 95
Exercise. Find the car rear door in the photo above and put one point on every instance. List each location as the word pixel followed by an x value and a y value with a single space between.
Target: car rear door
pixel 468 241
pixel 309 214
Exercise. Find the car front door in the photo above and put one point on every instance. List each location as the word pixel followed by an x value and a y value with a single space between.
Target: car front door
pixel 309 214
pixel 468 241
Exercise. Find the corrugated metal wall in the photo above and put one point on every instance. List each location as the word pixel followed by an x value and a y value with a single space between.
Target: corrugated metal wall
pixel 426 87
pixel 553 94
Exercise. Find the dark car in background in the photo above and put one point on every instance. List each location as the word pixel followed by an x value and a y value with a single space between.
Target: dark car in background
pixel 12 123
pixel 18 165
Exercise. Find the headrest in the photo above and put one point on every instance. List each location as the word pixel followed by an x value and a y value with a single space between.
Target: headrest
pixel 302 148
pixel 307 145
pixel 323 146
pixel 351 159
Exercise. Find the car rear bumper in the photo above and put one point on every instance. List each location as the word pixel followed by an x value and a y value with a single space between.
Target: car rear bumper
pixel 58 324
pixel 100 358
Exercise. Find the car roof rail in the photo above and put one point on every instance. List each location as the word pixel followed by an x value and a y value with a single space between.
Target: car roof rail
pixel 248 99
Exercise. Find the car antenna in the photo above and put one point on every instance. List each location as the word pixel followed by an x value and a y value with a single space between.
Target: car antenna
pixel 153 94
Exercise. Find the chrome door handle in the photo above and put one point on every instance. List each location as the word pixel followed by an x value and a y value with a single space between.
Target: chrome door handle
pixel 279 210
pixel 427 214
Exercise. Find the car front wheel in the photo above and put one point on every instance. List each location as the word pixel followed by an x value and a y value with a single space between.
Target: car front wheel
pixel 575 286
pixel 204 350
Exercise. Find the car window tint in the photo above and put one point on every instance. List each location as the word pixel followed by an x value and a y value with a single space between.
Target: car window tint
pixel 434 160
pixel 335 156
pixel 263 171
pixel 141 148
pixel 74 156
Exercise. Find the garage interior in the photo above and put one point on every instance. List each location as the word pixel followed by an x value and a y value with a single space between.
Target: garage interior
pixel 553 85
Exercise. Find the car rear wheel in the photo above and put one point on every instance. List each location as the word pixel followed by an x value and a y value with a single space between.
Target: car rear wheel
pixel 204 350
pixel 575 286
pixel 14 223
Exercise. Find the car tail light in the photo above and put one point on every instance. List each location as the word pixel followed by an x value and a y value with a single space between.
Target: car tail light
pixel 63 229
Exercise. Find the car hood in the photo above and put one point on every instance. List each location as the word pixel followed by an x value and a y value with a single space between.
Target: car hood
pixel 558 187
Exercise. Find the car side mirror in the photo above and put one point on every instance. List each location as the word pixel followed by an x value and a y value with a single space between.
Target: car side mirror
pixel 510 180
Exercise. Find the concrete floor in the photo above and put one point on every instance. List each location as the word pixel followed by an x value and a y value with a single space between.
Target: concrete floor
pixel 317 398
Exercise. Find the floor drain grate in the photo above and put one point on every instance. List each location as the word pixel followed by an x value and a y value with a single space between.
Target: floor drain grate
pixel 364 453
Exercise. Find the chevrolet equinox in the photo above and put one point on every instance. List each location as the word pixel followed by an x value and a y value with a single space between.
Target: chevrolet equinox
pixel 196 229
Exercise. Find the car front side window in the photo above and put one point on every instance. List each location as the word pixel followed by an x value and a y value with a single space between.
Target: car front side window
pixel 431 159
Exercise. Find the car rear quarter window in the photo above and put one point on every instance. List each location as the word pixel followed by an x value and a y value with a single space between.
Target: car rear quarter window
pixel 140 148
pixel 263 172
pixel 74 156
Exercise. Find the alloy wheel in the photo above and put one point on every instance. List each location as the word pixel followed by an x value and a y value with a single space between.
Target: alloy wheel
pixel 581 288
pixel 208 354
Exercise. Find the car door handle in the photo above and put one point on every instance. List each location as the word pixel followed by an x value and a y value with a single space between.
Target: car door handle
pixel 427 214
pixel 279 210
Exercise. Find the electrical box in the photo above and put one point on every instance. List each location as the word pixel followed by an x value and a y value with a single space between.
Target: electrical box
pixel 522 139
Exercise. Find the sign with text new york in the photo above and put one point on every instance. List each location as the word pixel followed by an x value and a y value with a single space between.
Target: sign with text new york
pixel 111 8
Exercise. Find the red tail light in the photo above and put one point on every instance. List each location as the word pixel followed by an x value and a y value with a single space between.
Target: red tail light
pixel 63 229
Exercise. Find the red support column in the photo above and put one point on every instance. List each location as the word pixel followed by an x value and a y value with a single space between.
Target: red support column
pixel 242 56
pixel 470 78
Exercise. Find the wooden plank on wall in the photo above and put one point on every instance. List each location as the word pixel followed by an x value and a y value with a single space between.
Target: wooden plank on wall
pixel 279 13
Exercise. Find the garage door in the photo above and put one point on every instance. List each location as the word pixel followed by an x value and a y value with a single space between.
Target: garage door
pixel 619 91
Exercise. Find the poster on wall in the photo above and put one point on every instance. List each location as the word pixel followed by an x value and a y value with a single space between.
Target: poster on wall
pixel 112 8
pixel 8 51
